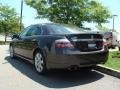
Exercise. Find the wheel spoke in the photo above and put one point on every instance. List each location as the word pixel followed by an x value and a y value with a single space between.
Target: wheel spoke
pixel 41 67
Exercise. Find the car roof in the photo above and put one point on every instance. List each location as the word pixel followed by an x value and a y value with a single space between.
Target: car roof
pixel 46 24
pixel 70 25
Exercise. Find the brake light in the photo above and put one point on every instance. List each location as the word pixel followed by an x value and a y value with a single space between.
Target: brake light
pixel 100 44
pixel 63 43
pixel 98 36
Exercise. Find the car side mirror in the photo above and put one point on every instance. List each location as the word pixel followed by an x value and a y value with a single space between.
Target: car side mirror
pixel 15 36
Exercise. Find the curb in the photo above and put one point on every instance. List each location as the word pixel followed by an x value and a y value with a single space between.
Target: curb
pixel 108 71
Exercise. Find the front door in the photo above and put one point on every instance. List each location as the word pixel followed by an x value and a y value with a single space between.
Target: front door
pixel 29 41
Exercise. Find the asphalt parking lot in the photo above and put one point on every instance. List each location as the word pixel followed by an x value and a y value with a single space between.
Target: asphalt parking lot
pixel 16 74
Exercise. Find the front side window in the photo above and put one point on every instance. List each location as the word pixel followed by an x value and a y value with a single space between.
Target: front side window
pixel 34 30
pixel 24 32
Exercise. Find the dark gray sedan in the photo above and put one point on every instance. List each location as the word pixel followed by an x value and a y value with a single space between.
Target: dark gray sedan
pixel 56 46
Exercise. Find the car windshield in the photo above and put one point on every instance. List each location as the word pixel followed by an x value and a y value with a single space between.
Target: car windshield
pixel 63 29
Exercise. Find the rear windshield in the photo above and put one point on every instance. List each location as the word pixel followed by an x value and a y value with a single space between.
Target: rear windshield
pixel 61 29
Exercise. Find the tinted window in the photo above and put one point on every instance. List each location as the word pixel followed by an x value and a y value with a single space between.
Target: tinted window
pixel 24 32
pixel 34 30
pixel 60 29
pixel 46 30
pixel 37 30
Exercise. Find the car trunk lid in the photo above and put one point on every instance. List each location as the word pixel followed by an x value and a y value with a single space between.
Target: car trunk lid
pixel 86 42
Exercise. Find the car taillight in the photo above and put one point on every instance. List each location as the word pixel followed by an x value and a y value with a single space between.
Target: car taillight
pixel 98 36
pixel 100 44
pixel 63 43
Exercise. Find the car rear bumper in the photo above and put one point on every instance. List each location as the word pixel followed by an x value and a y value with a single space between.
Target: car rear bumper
pixel 80 60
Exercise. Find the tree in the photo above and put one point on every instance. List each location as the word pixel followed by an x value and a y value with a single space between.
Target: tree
pixel 70 11
pixel 99 13
pixel 9 20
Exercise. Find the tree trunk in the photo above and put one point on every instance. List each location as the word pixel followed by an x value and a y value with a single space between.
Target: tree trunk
pixel 5 37
pixel 5 28
pixel 99 24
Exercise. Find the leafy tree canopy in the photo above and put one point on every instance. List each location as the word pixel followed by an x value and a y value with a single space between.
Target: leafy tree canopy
pixel 70 11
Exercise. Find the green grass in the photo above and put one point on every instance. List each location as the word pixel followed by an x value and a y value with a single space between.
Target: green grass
pixel 113 60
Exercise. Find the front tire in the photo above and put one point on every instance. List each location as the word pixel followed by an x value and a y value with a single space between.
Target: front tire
pixel 39 62
pixel 11 50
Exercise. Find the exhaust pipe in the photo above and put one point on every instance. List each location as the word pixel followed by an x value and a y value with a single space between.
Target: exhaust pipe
pixel 73 68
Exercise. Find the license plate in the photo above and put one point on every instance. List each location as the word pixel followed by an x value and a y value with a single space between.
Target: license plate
pixel 91 45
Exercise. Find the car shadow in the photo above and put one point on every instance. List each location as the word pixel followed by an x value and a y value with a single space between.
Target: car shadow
pixel 55 78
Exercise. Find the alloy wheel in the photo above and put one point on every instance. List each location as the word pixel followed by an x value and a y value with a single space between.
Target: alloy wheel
pixel 11 52
pixel 39 62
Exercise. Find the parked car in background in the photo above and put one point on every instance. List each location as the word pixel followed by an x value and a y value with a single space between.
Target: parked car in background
pixel 56 46
pixel 119 41
pixel 119 45
pixel 111 39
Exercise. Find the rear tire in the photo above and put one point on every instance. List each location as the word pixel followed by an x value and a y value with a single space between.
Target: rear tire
pixel 39 62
